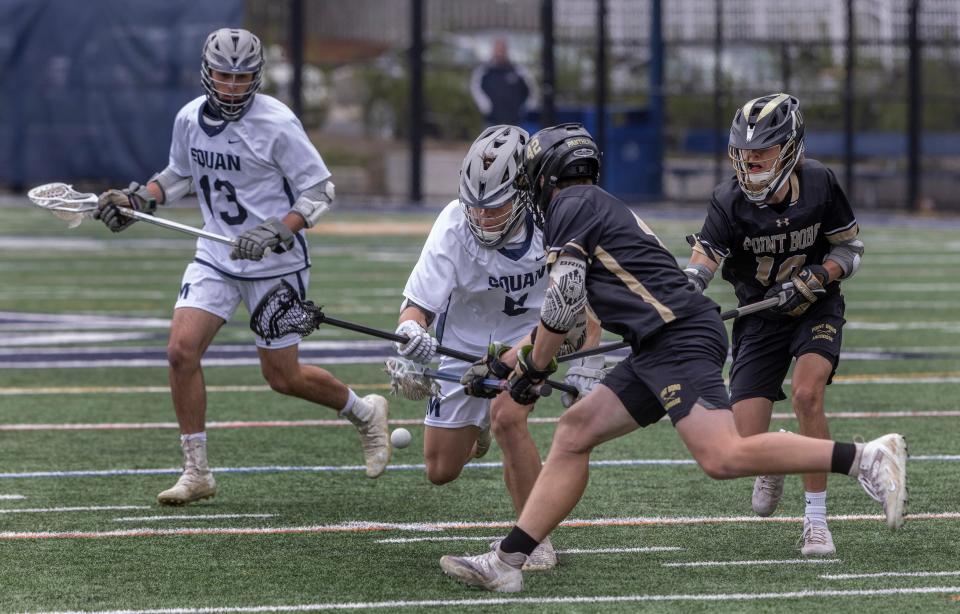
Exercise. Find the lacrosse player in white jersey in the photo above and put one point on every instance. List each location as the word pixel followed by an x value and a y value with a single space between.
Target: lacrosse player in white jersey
pixel 260 180
pixel 479 283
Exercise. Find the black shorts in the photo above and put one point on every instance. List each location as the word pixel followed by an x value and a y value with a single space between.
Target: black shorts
pixel 763 348
pixel 680 365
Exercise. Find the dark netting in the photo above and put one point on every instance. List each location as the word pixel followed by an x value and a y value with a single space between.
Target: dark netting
pixel 281 312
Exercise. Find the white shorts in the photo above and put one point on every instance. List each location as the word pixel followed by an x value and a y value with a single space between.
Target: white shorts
pixel 207 289
pixel 456 409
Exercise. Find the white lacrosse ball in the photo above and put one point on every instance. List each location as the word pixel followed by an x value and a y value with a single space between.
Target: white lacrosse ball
pixel 400 438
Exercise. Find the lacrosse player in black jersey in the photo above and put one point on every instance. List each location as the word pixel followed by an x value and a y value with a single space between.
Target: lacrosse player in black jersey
pixel 781 228
pixel 598 250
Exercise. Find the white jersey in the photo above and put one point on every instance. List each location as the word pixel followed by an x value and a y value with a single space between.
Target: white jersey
pixel 245 172
pixel 479 295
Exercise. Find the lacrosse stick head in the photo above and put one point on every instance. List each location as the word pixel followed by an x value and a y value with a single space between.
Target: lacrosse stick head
pixel 64 202
pixel 281 311
pixel 407 379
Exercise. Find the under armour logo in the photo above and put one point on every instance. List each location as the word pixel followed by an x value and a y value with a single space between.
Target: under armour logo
pixel 783 221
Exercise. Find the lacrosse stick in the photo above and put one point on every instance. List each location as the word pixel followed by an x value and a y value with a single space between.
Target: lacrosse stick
pixel 281 312
pixel 67 204
pixel 726 315
pixel 412 381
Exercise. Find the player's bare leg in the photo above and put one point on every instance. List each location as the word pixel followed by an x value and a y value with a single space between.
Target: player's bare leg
pixel 283 371
pixel 521 458
pixel 446 451
pixel 752 416
pixel 191 332
pixel 521 465
pixel 597 418
pixel 808 386
pixel 879 465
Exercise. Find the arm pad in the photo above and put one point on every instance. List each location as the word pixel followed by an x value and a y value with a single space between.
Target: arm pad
pixel 314 202
pixel 566 295
pixel 700 274
pixel 173 185
pixel 847 255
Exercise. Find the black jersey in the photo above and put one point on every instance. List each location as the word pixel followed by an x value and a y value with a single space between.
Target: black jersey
pixel 633 283
pixel 762 244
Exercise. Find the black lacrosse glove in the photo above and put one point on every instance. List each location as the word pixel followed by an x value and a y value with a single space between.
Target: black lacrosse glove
pixel 252 244
pixel 488 367
pixel 803 289
pixel 136 197
pixel 526 376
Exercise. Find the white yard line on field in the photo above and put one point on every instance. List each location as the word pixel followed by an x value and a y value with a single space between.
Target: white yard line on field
pixel 12 497
pixel 809 561
pixel 57 510
pixel 487 602
pixel 361 526
pixel 889 574
pixel 191 517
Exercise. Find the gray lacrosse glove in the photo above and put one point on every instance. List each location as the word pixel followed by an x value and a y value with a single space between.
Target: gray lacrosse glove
pixel 136 197
pixel 584 374
pixel 254 243
pixel 488 367
pixel 420 346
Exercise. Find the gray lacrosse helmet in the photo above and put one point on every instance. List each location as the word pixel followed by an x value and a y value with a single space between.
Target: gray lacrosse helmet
pixel 490 180
pixel 762 123
pixel 236 52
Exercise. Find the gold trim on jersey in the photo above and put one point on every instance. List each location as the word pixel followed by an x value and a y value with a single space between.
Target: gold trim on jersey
pixel 844 236
pixel 633 284
pixel 579 248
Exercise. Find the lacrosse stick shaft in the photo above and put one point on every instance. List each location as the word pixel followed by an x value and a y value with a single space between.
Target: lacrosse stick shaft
pixel 444 351
pixel 171 225
pixel 542 390
pixel 726 315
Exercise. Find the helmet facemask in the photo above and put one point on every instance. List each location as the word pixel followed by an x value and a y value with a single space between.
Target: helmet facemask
pixel 758 185
pixel 233 54
pixel 490 192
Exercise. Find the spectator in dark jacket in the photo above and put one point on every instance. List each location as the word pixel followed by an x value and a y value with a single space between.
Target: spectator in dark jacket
pixel 502 90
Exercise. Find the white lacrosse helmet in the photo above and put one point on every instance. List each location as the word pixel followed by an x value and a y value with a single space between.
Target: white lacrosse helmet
pixel 490 181
pixel 236 52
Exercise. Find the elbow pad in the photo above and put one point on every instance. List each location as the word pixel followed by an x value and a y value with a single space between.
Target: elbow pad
pixel 173 185
pixel 314 202
pixel 566 296
pixel 847 255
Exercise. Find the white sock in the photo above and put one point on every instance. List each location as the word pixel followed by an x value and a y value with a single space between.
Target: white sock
pixel 201 436
pixel 816 506
pixel 355 408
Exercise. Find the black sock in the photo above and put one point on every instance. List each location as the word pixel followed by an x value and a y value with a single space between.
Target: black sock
pixel 518 541
pixel 843 455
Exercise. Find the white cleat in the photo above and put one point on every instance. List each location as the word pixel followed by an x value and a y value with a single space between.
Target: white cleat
pixel 484 571
pixel 767 490
pixel 483 443
pixel 816 539
pixel 883 474
pixel 193 485
pixel 375 436
pixel 543 558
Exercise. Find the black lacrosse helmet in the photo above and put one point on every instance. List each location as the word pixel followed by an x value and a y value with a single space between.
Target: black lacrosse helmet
pixel 762 123
pixel 559 152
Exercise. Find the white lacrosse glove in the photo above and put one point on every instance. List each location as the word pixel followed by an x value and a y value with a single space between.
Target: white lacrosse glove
pixel 420 346
pixel 584 374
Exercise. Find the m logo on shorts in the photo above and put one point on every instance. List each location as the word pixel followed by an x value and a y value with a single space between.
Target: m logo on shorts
pixel 184 290
pixel 670 396
pixel 433 407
